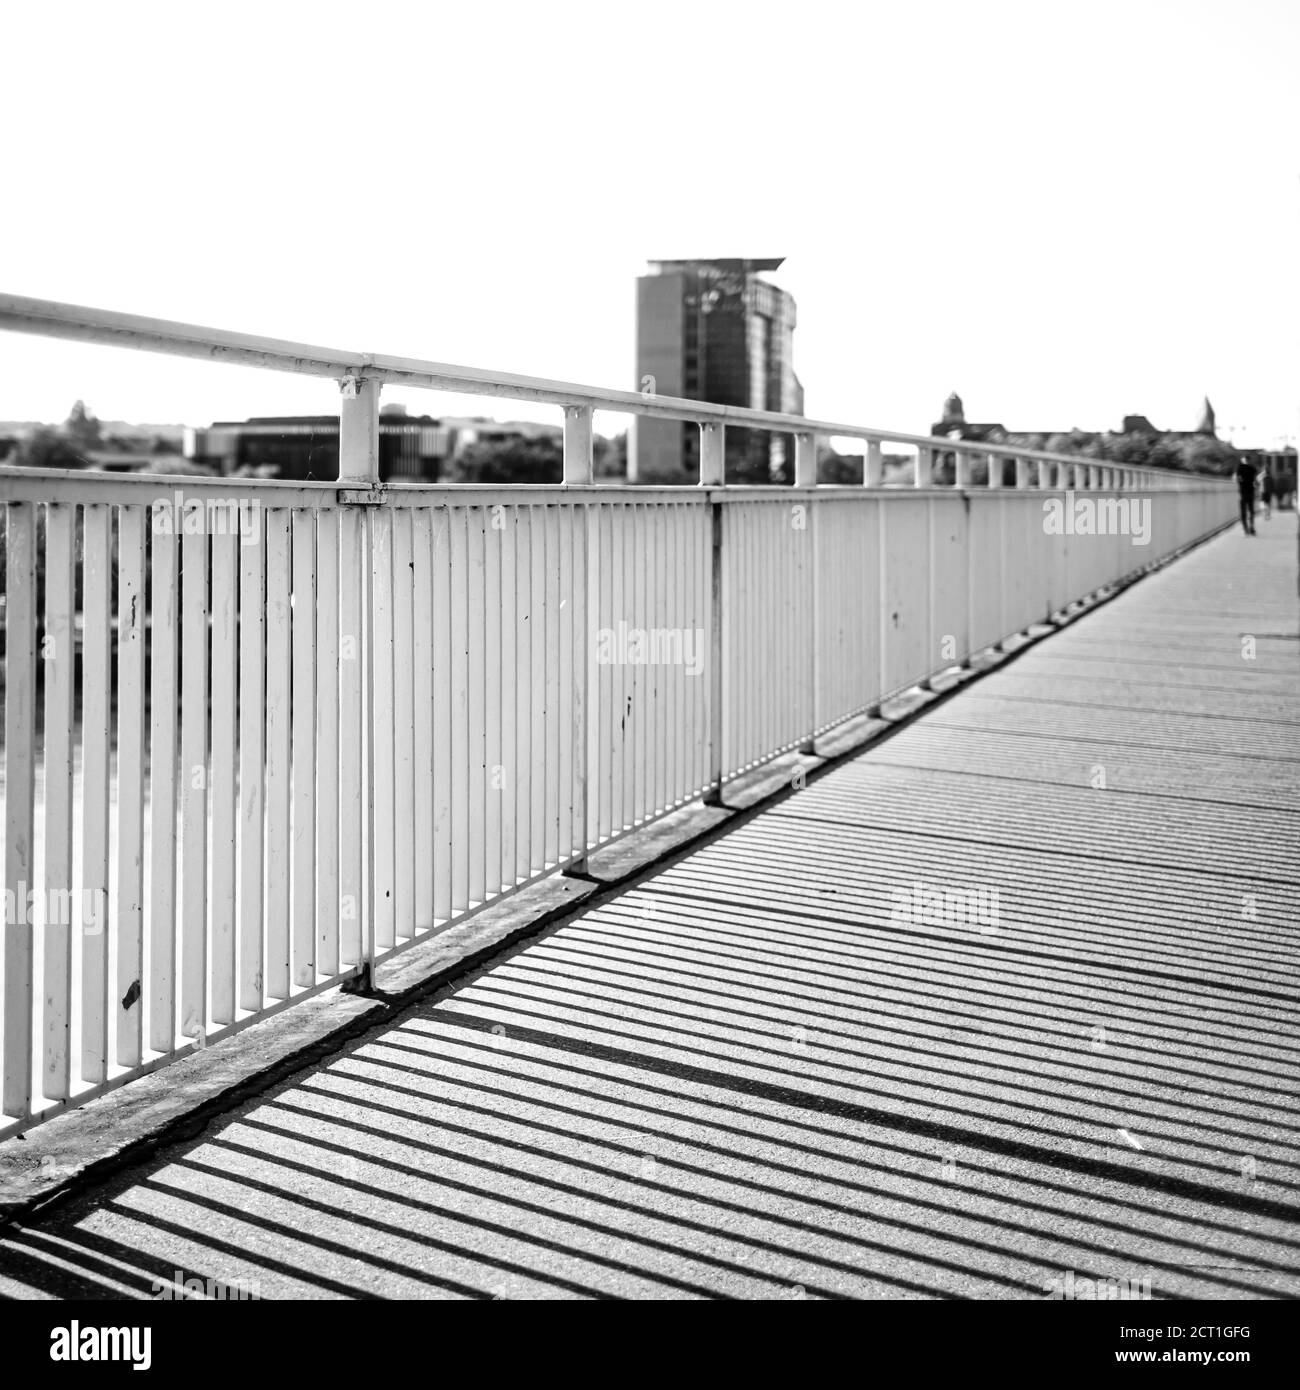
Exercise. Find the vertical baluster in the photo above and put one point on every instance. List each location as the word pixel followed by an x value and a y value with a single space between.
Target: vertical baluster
pixel 566 690
pixel 402 719
pixel 328 673
pixel 493 767
pixel 664 674
pixel 162 780
pixel 252 757
pixel 422 660
pixel 195 775
pixel 706 743
pixel 444 696
pixel 767 650
pixel 59 657
pixel 225 584
pixel 783 582
pixel 814 652
pixel 132 542
pixel 20 801
pixel 278 751
pixel 587 721
pixel 602 562
pixel 554 715
pixel 303 748
pixel 96 700
pixel 522 527
pixel 508 542
pixel 462 769
pixel 539 739
pixel 640 672
pixel 674 712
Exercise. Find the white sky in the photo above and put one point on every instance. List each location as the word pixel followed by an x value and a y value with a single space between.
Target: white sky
pixel 1066 213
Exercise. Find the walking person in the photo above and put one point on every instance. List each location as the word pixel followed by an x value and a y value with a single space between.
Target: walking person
pixel 1266 493
pixel 1246 492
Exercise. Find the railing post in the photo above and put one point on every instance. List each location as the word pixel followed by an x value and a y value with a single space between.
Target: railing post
pixel 961 469
pixel 1045 473
pixel 359 430
pixel 924 465
pixel 1077 473
pixel 578 465
pixel 805 475
pixel 713 453
pixel 805 460
pixel 1022 473
pixel 359 464
pixel 713 791
pixel 995 470
pixel 1094 477
pixel 873 466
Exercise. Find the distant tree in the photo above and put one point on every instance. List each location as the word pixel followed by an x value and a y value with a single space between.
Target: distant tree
pixel 1075 442
pixel 898 469
pixel 833 467
pixel 516 460
pixel 82 429
pixel 1202 454
pixel 610 456
pixel 48 447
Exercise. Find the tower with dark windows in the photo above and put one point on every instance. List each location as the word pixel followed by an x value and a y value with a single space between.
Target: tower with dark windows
pixel 714 330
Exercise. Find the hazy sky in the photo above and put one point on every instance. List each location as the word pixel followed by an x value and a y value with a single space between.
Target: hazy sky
pixel 1067 213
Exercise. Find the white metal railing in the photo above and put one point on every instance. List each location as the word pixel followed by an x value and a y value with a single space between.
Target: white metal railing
pixel 286 729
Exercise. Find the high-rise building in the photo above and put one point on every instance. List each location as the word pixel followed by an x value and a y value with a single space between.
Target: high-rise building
pixel 714 331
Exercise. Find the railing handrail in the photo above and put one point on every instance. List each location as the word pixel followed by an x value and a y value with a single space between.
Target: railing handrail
pixel 50 318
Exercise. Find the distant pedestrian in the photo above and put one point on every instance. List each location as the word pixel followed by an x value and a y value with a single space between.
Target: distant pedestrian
pixel 1266 493
pixel 1246 492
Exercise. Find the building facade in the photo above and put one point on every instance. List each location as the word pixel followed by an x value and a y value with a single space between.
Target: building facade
pixel 713 330
pixel 953 424
pixel 300 447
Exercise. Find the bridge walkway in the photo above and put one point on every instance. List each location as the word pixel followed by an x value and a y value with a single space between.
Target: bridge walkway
pixel 763 1072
